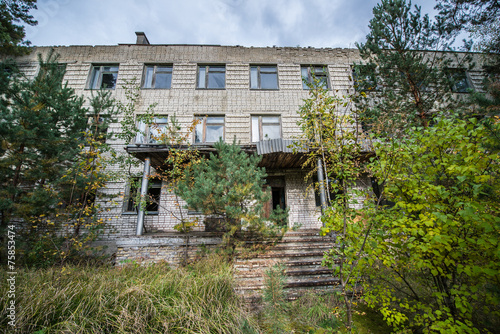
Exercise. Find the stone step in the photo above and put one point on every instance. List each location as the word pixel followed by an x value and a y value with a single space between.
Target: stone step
pixel 293 284
pixel 301 252
pixel 299 271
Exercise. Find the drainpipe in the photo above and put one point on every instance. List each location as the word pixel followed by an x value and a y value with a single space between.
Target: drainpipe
pixel 321 180
pixel 144 193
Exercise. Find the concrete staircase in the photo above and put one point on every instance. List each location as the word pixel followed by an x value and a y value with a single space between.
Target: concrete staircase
pixel 301 252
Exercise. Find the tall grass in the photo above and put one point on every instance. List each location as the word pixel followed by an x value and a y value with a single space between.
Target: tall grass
pixel 132 299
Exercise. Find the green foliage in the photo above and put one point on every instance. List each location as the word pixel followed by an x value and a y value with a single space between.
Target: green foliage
pixel 275 319
pixel 401 78
pixel 228 186
pixel 11 33
pixel 477 17
pixel 433 258
pixel 132 299
pixel 331 132
pixel 53 161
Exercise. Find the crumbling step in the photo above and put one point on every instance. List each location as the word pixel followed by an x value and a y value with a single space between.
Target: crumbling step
pixel 301 252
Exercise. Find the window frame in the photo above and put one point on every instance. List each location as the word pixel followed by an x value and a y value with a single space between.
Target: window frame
pixel 92 81
pixel 155 72
pixel 133 187
pixel 259 76
pixel 260 127
pixel 203 125
pixel 207 70
pixel 324 69
pixel 452 73
pixel 145 130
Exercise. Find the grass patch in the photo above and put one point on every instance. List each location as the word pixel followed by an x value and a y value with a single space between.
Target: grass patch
pixel 156 299
pixel 133 299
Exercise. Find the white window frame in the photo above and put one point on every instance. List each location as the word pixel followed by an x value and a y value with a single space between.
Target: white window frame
pixel 97 72
pixel 306 73
pixel 202 125
pixel 146 133
pixel 256 80
pixel 257 121
pixel 203 75
pixel 155 67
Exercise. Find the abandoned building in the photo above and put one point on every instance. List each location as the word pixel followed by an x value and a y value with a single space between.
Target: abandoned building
pixel 247 94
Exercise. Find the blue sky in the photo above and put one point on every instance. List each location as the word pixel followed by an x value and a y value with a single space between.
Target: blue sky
pixel 316 23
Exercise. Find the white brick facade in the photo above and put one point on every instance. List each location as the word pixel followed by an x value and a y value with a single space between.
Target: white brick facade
pixel 237 102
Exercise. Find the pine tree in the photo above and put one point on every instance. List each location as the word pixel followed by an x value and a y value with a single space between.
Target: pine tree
pixel 12 34
pixel 42 126
pixel 228 185
pixel 403 78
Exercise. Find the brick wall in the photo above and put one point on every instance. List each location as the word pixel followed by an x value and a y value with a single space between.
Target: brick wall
pixel 237 102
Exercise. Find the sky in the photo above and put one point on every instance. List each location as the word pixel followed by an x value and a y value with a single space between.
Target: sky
pixel 315 23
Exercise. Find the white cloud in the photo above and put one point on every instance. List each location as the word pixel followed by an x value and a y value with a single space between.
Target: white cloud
pixel 318 23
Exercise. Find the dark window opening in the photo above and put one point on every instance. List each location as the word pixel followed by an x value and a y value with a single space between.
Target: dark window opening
pixel 334 194
pixel 458 80
pixel 378 191
pixel 103 77
pixel 152 197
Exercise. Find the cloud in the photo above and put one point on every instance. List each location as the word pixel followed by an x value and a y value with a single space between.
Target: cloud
pixel 317 23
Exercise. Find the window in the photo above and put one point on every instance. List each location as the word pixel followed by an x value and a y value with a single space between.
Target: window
pixel 265 127
pixel 334 195
pixel 363 78
pixel 157 76
pixel 152 198
pixel 263 77
pixel 458 80
pixel 103 77
pixel 211 76
pixel 209 129
pixel 151 134
pixel 309 73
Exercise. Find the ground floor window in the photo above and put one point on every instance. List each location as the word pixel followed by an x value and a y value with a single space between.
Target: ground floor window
pixel 132 196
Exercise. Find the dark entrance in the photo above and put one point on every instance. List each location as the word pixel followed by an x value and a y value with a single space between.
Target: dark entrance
pixel 276 185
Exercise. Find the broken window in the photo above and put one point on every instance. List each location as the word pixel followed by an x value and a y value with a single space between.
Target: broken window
pixel 263 77
pixel 157 76
pixel 209 129
pixel 312 73
pixel 265 127
pixel 153 133
pixel 211 76
pixel 152 198
pixel 103 77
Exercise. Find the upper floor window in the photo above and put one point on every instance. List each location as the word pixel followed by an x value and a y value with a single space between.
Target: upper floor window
pixel 209 129
pixel 211 76
pixel 458 80
pixel 103 77
pixel 151 134
pixel 265 127
pixel 310 73
pixel 263 77
pixel 157 76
